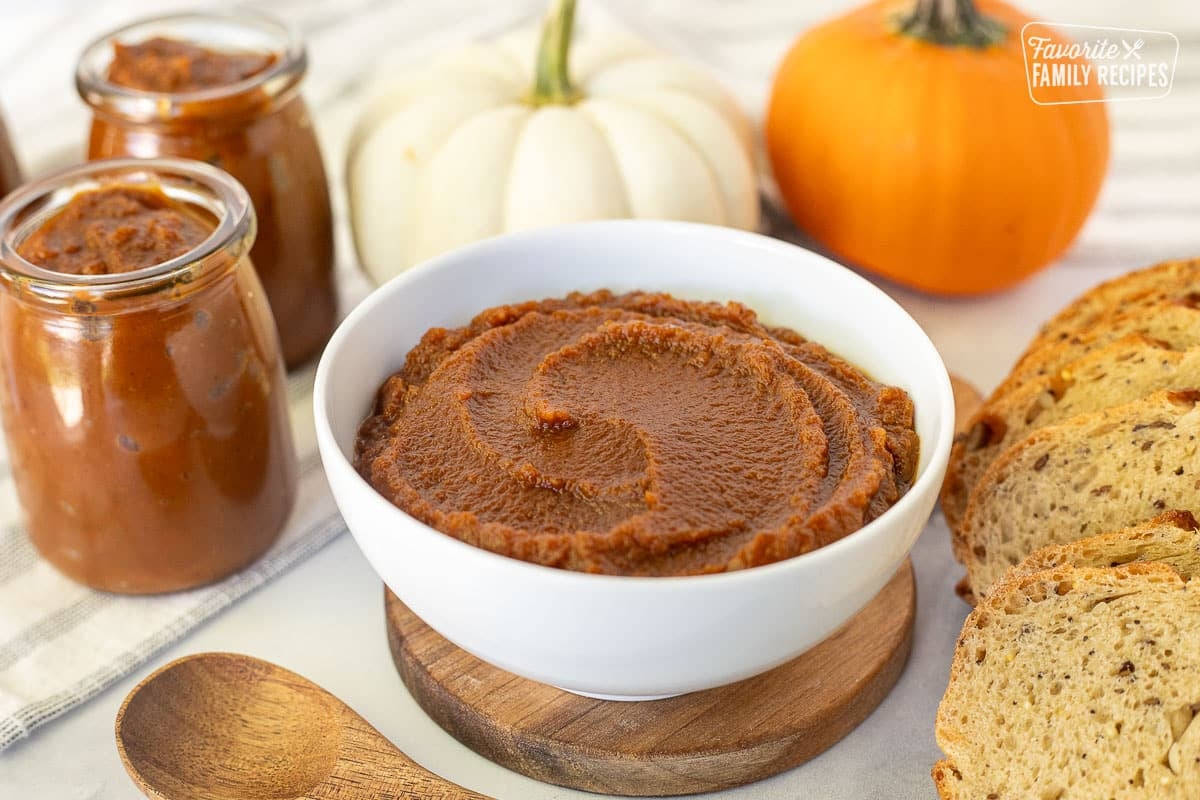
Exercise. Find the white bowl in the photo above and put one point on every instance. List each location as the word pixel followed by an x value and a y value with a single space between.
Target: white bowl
pixel 612 636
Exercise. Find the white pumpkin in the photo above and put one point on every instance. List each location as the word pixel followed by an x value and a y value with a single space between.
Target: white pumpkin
pixel 467 149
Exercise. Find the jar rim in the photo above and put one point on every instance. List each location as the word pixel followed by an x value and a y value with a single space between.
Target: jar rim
pixel 235 221
pixel 93 85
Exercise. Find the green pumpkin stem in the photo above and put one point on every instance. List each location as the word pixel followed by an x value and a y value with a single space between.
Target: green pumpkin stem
pixel 952 23
pixel 551 76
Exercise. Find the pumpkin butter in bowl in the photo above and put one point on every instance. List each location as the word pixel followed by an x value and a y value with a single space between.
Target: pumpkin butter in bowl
pixel 696 460
pixel 636 434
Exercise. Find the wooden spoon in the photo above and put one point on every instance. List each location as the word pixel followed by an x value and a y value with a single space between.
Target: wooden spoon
pixel 221 726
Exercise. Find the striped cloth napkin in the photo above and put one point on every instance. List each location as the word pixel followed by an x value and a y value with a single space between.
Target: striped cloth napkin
pixel 62 643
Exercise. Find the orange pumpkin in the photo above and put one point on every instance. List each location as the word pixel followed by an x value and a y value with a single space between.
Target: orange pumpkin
pixel 905 140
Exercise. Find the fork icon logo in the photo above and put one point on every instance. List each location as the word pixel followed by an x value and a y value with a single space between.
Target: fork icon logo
pixel 1118 64
pixel 1132 49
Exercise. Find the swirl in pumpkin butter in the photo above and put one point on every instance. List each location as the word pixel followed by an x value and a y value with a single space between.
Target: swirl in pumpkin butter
pixel 636 434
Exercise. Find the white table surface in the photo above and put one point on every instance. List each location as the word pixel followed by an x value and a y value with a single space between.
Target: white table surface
pixel 325 620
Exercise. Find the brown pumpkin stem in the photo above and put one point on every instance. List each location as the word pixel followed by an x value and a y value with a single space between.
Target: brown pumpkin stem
pixel 952 23
pixel 551 76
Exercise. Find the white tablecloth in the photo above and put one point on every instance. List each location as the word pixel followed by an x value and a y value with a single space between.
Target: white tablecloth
pixel 324 618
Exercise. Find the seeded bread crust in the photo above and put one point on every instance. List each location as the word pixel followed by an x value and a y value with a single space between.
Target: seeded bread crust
pixel 1119 373
pixel 1076 683
pixel 1144 288
pixel 1171 538
pixel 1069 481
pixel 1175 323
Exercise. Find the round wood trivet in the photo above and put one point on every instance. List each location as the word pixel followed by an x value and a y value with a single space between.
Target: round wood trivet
pixel 693 743
pixel 967 401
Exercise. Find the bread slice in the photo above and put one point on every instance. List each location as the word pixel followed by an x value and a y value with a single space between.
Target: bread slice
pixel 1094 473
pixel 1175 323
pixel 1144 288
pixel 1171 538
pixel 1076 683
pixel 1119 373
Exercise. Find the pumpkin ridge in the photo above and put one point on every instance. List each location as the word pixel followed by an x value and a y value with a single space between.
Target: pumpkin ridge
pixel 465 119
pixel 1078 186
pixel 701 153
pixel 511 161
pixel 703 190
pixel 889 100
pixel 583 108
pixel 598 85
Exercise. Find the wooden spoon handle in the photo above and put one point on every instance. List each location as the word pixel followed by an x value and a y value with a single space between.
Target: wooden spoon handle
pixel 371 766
pixel 410 786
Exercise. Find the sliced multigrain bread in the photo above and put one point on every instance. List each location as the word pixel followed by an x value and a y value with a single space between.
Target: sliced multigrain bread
pixel 1077 683
pixel 1122 372
pixel 1171 538
pixel 1143 288
pixel 1091 474
pixel 1175 323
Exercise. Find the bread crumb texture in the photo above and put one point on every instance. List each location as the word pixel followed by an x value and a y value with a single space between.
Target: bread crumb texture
pixel 1120 373
pixel 1076 683
pixel 1093 474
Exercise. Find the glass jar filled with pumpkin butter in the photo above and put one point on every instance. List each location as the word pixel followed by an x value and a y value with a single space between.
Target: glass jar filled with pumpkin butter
pixel 224 88
pixel 142 393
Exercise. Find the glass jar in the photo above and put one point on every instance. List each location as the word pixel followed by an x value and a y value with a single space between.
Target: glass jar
pixel 145 411
pixel 257 129
pixel 10 172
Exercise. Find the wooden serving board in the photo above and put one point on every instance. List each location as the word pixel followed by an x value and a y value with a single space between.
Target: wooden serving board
pixel 693 743
pixel 967 400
